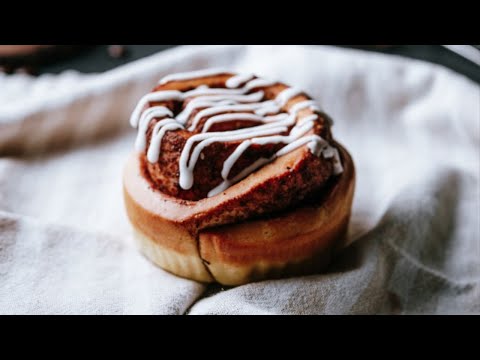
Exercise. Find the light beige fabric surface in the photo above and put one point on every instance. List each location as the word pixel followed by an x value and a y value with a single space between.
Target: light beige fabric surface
pixel 414 132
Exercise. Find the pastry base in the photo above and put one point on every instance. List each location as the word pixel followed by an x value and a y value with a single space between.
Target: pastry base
pixel 297 242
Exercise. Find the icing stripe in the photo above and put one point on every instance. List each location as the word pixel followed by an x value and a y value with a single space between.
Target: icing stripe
pixel 230 117
pixel 276 124
pixel 159 131
pixel 287 95
pixel 147 116
pixel 236 81
pixel 192 75
pixel 153 97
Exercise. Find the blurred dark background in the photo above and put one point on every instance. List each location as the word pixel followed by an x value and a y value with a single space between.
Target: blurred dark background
pixel 104 57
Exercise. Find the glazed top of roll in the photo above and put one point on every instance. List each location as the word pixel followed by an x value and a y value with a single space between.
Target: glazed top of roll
pixel 203 132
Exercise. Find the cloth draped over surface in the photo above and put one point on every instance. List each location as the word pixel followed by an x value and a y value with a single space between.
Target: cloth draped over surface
pixel 414 132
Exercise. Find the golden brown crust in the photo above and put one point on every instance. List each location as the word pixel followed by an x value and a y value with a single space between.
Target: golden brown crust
pixel 277 186
pixel 286 218
pixel 253 196
pixel 299 241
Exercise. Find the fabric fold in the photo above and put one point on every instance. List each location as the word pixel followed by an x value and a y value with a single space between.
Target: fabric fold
pixel 412 128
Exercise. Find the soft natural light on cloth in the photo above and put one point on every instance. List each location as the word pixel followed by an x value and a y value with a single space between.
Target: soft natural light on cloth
pixel 412 128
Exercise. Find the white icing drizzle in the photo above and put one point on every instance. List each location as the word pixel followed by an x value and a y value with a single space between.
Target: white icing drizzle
pixel 193 105
pixel 294 140
pixel 236 81
pixel 219 105
pixel 222 109
pixel 187 167
pixel 331 152
pixel 203 91
pixel 192 75
pixel 145 119
pixel 159 131
pixel 230 117
pixel 250 98
pixel 307 104
pixel 153 97
pixel 241 116
pixel 258 83
pixel 243 174
pixel 309 118
pixel 286 95
pixel 268 107
pixel 206 101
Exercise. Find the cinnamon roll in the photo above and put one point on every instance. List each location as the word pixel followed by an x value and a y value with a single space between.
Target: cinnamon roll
pixel 236 178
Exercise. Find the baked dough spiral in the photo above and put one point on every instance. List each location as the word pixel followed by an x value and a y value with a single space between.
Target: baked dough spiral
pixel 236 178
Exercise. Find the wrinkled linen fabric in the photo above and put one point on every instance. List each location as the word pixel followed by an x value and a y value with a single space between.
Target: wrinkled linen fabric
pixel 413 130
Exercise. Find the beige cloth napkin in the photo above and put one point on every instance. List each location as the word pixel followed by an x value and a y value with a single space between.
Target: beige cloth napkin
pixel 413 129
